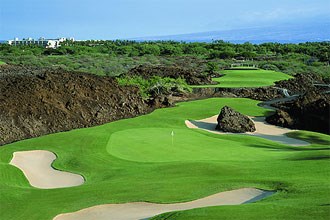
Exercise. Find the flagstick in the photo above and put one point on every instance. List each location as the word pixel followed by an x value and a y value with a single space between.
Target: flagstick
pixel 172 134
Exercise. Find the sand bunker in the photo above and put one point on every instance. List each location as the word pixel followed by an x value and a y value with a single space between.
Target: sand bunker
pixel 143 210
pixel 36 166
pixel 263 129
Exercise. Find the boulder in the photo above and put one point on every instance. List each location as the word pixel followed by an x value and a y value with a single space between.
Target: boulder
pixel 281 118
pixel 230 120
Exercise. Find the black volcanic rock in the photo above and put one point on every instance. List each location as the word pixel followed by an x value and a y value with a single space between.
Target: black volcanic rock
pixel 310 112
pixel 281 118
pixel 301 83
pixel 230 120
pixel 36 101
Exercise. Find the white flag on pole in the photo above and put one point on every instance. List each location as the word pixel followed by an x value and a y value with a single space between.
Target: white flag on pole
pixel 172 134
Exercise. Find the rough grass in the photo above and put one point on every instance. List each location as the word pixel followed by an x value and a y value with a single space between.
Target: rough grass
pixel 248 78
pixel 134 160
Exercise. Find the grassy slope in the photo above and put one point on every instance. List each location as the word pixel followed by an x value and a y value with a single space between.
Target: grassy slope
pixel 248 78
pixel 1 62
pixel 162 173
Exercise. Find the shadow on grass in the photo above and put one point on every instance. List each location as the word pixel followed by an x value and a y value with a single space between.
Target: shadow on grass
pixel 312 138
pixel 317 155
pixel 287 148
pixel 321 157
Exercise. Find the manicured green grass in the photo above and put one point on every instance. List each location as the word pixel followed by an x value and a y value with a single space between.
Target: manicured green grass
pixel 134 160
pixel 247 78
pixel 243 68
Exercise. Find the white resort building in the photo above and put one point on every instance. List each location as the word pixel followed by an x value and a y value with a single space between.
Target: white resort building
pixel 48 43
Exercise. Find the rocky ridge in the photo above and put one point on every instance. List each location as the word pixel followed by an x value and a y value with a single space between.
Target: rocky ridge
pixel 38 101
pixel 310 111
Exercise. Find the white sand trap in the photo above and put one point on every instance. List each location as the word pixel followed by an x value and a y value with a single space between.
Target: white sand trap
pixel 36 166
pixel 263 129
pixel 144 210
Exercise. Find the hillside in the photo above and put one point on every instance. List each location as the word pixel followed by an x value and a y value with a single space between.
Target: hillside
pixel 38 101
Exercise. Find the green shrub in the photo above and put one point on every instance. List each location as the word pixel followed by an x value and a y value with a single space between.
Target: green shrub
pixel 156 85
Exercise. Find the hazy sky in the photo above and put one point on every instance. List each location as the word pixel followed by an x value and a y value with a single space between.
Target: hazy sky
pixel 110 19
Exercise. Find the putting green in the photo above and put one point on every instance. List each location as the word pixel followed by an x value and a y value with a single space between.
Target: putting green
pixel 130 160
pixel 248 78
pixel 155 145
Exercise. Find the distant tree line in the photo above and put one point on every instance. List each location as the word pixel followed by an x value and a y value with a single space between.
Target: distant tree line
pixel 320 51
pixel 116 57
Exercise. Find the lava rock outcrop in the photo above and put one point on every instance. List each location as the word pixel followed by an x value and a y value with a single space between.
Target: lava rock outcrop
pixel 230 120
pixel 35 102
pixel 311 111
pixel 301 83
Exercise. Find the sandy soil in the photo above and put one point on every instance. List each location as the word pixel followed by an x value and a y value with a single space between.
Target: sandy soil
pixel 143 210
pixel 263 129
pixel 36 166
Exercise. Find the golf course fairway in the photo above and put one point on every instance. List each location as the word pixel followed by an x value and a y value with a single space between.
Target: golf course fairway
pixel 247 78
pixel 139 160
